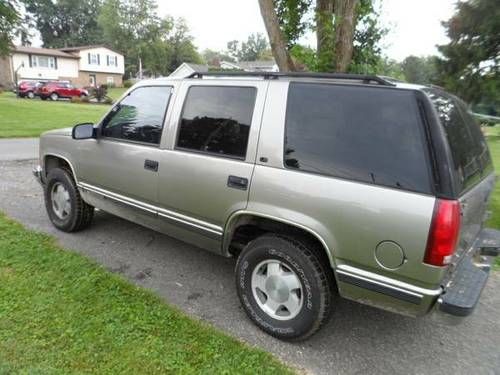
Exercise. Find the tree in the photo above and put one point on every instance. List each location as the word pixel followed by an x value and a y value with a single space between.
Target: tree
pixel 9 25
pixel 251 50
pixel 214 58
pixel 65 23
pixel 347 32
pixel 470 66
pixel 279 44
pixel 134 28
pixel 421 70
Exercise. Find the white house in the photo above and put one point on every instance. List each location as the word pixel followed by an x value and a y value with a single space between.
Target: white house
pixel 82 66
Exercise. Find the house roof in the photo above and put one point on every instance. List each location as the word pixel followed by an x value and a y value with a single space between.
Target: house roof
pixel 79 48
pixel 191 67
pixel 44 52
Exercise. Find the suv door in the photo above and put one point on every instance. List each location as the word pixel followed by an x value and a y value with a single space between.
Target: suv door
pixel 124 158
pixel 208 164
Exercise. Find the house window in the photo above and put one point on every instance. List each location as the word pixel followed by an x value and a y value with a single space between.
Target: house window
pixel 112 60
pixel 47 62
pixel 94 59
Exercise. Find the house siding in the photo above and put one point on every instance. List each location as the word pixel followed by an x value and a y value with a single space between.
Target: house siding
pixel 83 79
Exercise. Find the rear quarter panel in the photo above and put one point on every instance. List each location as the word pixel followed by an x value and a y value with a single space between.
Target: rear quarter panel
pixel 352 218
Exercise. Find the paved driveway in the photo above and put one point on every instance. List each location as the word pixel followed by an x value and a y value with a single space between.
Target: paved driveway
pixel 358 339
pixel 18 149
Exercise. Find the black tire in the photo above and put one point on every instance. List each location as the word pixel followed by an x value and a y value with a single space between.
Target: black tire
pixel 314 273
pixel 81 214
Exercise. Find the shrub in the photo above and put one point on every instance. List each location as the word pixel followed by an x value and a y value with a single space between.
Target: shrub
pixel 76 100
pixel 108 100
pixel 128 83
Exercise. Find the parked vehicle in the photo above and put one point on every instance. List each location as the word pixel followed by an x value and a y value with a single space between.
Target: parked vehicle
pixel 320 185
pixel 27 89
pixel 54 90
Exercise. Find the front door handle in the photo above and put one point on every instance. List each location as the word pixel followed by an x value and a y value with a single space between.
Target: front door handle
pixel 237 182
pixel 151 165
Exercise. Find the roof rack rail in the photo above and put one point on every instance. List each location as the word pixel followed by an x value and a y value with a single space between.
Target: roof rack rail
pixel 276 75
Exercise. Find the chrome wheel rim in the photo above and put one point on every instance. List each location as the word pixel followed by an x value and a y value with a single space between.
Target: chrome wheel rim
pixel 61 202
pixel 54 96
pixel 31 95
pixel 277 289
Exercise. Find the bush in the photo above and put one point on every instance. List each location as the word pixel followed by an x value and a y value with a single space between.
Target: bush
pixel 128 83
pixel 76 100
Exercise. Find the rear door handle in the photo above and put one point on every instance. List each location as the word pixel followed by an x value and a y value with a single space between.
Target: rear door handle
pixel 151 165
pixel 237 182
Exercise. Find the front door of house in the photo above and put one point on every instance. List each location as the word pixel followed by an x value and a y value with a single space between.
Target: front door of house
pixel 92 80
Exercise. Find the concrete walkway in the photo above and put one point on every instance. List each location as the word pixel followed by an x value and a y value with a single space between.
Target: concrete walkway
pixel 18 149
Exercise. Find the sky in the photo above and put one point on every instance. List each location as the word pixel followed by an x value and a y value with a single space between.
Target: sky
pixel 415 25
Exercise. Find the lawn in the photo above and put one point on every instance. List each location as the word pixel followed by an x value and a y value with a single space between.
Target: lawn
pixel 30 118
pixel 61 313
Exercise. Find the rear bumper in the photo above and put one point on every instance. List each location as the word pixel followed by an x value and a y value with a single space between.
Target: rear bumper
pixel 464 287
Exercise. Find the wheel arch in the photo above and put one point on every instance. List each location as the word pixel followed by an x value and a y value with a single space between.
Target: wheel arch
pixel 52 160
pixel 262 223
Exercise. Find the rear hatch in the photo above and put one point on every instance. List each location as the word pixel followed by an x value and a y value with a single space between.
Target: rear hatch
pixel 472 168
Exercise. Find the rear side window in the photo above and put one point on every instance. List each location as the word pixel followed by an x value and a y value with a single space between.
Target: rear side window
pixel 216 120
pixel 371 135
pixel 468 147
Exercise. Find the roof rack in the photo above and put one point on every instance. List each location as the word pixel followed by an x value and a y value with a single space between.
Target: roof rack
pixel 276 75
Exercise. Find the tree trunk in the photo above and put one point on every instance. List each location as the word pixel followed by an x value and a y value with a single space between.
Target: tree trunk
pixel 276 38
pixel 345 23
pixel 324 35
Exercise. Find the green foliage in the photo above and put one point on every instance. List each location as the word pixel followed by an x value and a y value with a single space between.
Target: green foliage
pixel 64 314
pixel 296 17
pixel 421 70
pixel 99 93
pixel 9 24
pixel 292 18
pixel 305 58
pixel 65 23
pixel 134 28
pixel 470 66
pixel 390 68
pixel 128 83
pixel 251 50
pixel 367 53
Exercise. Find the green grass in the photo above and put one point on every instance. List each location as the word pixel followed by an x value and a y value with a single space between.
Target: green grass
pixel 493 137
pixel 61 313
pixel 30 118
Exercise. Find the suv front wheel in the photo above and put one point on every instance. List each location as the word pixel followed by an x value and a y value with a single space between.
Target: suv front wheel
pixel 65 207
pixel 284 286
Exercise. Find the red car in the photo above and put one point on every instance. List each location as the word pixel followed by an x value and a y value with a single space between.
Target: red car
pixel 27 89
pixel 56 90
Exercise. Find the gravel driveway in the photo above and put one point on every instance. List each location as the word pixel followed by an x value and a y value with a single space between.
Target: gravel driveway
pixel 358 339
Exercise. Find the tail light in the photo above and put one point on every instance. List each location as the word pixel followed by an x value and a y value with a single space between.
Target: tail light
pixel 444 233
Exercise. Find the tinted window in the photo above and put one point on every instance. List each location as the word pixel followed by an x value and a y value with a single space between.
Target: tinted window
pixel 468 147
pixel 217 120
pixel 371 135
pixel 139 116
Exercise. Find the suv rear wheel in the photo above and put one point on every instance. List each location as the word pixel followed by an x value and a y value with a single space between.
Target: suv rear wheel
pixel 30 95
pixel 65 207
pixel 54 96
pixel 284 286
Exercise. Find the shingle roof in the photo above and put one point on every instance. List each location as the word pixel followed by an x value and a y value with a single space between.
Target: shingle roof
pixel 44 51
pixel 79 48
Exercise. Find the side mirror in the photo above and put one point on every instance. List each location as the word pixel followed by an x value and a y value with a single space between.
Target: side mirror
pixel 83 131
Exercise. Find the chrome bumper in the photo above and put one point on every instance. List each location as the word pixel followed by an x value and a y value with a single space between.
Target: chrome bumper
pixel 38 173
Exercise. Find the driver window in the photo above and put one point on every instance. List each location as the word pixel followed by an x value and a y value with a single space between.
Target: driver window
pixel 139 116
